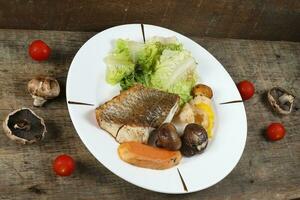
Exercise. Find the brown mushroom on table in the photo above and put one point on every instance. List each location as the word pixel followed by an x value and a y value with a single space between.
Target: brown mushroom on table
pixel 43 88
pixel 24 126
pixel 194 140
pixel 281 100
pixel 166 137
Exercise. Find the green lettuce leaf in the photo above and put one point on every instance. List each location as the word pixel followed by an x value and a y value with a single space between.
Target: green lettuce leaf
pixel 160 63
pixel 176 73
pixel 145 57
pixel 153 49
pixel 121 62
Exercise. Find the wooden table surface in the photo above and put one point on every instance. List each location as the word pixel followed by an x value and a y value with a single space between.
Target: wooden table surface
pixel 266 170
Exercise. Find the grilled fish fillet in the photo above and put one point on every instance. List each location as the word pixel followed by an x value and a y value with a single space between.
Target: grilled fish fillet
pixel 133 114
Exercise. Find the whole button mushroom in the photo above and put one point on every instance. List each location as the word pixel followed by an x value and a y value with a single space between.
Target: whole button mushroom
pixel 24 126
pixel 194 140
pixel 165 136
pixel 43 88
pixel 281 100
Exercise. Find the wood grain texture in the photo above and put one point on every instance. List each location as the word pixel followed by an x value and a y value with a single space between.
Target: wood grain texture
pixel 266 170
pixel 256 19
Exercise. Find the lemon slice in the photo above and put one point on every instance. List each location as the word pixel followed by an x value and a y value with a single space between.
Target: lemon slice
pixel 207 109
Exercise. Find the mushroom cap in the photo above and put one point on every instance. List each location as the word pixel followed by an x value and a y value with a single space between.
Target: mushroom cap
pixel 194 140
pixel 203 90
pixel 24 126
pixel 168 138
pixel 43 88
pixel 281 100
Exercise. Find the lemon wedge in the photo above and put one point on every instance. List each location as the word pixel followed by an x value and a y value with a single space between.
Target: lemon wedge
pixel 207 109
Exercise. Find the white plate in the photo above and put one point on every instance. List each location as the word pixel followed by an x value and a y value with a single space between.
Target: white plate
pixel 86 84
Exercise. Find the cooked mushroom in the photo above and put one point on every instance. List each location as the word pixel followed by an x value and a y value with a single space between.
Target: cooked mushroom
pixel 194 140
pixel 201 89
pixel 24 126
pixel 43 88
pixel 166 137
pixel 281 100
pixel 153 137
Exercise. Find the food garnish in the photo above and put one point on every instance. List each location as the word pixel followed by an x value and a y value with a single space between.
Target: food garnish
pixel 43 88
pixel 246 89
pixel 204 113
pixel 24 126
pixel 64 165
pixel 39 50
pixel 275 131
pixel 281 100
pixel 194 140
pixel 146 156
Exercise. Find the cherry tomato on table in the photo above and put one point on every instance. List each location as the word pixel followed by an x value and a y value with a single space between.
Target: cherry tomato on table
pixel 275 131
pixel 246 89
pixel 64 165
pixel 39 50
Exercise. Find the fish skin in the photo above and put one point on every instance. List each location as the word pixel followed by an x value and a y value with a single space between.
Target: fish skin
pixel 134 113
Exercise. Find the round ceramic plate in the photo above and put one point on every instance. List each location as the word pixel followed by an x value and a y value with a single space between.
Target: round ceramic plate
pixel 87 89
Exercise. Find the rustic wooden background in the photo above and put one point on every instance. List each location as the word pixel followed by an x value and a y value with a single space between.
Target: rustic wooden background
pixel 255 19
pixel 266 170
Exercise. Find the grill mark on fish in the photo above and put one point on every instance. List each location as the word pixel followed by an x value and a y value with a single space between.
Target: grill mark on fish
pixel 119 131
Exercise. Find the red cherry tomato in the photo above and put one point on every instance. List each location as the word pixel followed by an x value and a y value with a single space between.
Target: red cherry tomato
pixel 275 131
pixel 246 89
pixel 39 50
pixel 64 165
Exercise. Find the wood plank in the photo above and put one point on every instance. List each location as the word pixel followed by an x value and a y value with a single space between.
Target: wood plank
pixel 256 19
pixel 266 170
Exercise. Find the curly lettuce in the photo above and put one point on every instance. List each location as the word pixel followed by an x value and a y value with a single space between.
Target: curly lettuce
pixel 176 73
pixel 121 62
pixel 160 63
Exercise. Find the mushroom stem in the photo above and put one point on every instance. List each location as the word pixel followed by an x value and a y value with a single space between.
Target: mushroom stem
pixel 38 101
pixel 281 100
pixel 285 98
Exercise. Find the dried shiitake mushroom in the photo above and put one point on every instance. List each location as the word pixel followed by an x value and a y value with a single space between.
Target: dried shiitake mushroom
pixel 194 140
pixel 168 137
pixel 165 136
pixel 43 88
pixel 281 100
pixel 24 126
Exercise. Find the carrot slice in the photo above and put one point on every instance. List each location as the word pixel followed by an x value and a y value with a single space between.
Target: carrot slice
pixel 142 155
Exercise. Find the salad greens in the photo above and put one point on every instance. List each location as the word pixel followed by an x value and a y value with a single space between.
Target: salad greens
pixel 160 63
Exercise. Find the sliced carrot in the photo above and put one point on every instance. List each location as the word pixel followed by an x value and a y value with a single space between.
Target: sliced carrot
pixel 142 155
